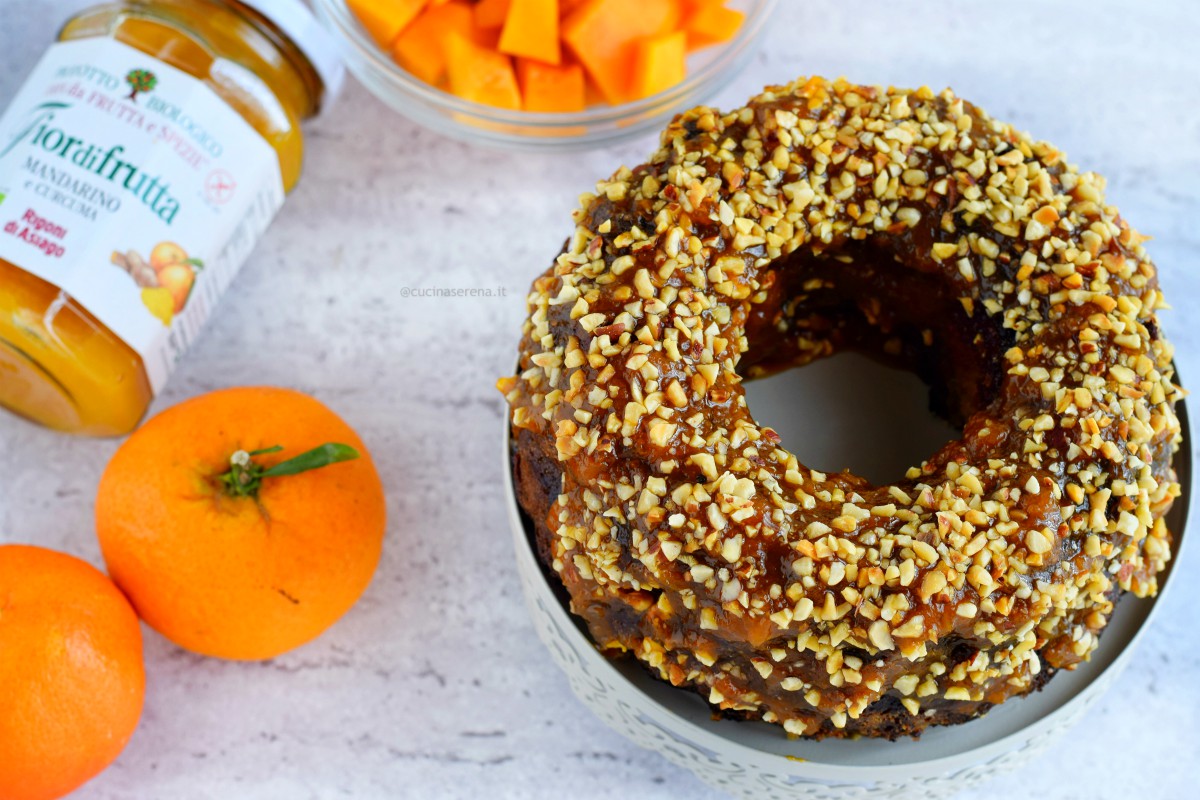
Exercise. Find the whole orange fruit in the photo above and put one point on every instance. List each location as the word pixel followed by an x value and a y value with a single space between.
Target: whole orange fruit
pixel 71 674
pixel 240 569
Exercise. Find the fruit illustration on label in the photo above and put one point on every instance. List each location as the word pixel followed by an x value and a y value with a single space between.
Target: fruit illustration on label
pixel 178 279
pixel 142 80
pixel 132 262
pixel 166 280
pixel 160 302
pixel 166 253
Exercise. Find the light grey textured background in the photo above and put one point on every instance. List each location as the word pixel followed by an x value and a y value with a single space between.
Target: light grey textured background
pixel 434 685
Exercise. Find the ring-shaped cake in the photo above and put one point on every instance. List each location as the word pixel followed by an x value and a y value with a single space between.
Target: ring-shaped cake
pixel 909 225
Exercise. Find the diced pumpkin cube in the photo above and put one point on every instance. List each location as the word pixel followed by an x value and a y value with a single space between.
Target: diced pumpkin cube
pixel 421 47
pixel 601 33
pixel 663 16
pixel 531 30
pixel 591 92
pixel 384 19
pixel 660 63
pixel 550 88
pixel 481 75
pixel 491 13
pixel 711 23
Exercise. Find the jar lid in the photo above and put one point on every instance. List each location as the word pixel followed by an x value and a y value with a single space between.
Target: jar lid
pixel 296 20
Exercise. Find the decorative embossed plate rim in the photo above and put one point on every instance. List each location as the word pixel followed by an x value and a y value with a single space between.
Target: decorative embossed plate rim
pixel 757 759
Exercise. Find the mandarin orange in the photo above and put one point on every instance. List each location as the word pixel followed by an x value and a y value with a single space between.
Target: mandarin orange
pixel 221 555
pixel 72 679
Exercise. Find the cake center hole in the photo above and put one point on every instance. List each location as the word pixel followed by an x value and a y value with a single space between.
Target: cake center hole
pixel 849 412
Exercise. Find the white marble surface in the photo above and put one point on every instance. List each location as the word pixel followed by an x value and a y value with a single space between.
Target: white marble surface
pixel 434 685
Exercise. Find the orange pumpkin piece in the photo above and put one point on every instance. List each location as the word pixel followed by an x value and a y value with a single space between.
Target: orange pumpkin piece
pixel 549 88
pixel 481 75
pixel 660 63
pixel 602 34
pixel 531 30
pixel 710 22
pixel 491 13
pixel 384 19
pixel 421 48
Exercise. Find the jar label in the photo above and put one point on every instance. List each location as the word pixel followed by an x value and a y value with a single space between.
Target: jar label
pixel 134 188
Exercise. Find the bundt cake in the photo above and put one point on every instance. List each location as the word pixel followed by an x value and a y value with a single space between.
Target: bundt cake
pixel 909 225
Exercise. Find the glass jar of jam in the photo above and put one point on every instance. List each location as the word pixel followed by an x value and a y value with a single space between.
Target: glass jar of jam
pixel 139 163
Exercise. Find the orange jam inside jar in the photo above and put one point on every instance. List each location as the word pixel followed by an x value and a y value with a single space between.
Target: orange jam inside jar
pixel 139 163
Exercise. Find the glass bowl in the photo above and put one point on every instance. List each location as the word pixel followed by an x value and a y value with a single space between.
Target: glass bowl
pixel 709 70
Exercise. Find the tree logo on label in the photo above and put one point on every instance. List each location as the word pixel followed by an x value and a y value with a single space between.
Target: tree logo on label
pixel 142 81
